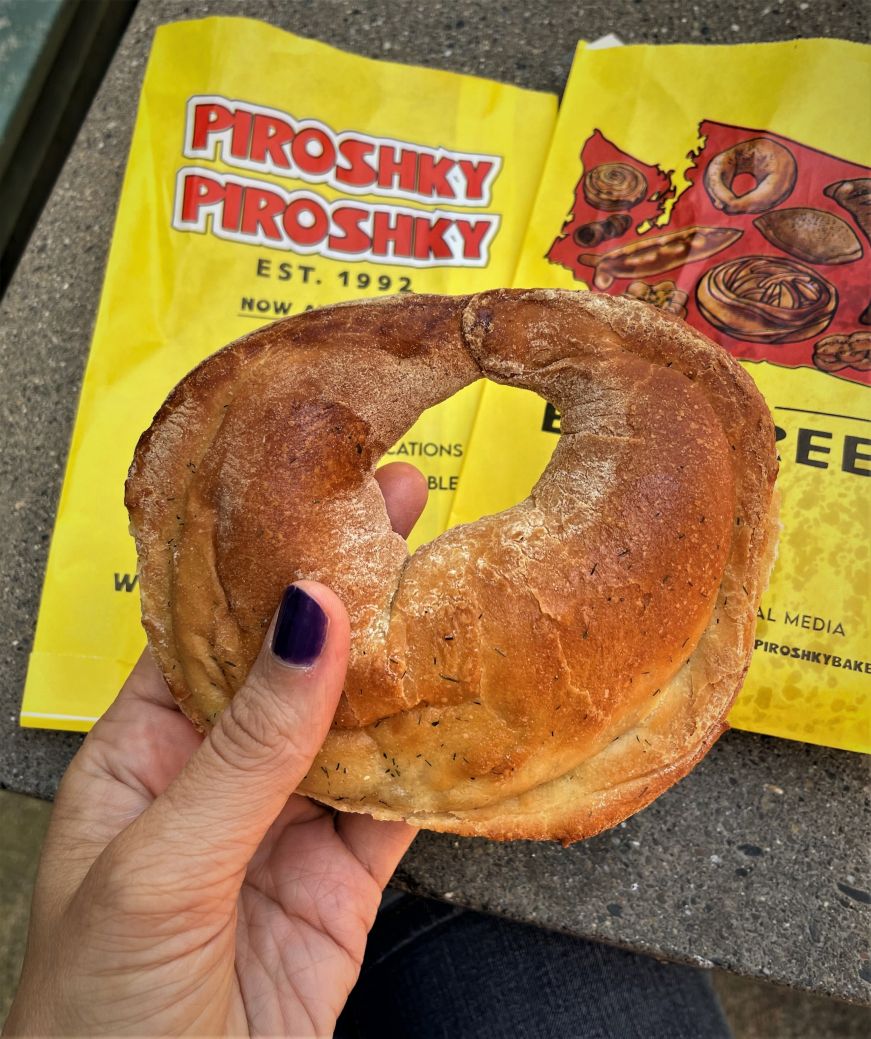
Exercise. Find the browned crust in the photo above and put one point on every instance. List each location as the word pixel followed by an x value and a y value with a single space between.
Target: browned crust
pixel 542 673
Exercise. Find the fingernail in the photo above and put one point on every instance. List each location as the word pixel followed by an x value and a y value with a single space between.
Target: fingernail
pixel 300 630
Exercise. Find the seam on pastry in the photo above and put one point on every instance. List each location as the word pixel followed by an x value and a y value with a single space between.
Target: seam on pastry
pixel 609 738
pixel 518 370
pixel 666 769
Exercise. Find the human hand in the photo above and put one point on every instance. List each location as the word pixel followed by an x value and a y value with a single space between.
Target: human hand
pixel 184 889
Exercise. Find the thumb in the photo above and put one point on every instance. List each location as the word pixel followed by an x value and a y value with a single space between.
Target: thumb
pixel 233 788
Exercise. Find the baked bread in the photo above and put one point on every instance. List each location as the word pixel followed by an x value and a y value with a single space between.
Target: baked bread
pixel 541 673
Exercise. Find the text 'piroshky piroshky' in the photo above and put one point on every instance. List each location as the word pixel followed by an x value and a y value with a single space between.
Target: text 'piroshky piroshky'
pixel 443 229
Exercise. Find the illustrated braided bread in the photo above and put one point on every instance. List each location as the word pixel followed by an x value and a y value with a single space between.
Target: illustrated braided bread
pixel 766 299
pixel 540 673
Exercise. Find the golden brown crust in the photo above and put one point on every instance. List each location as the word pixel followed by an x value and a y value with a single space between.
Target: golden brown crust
pixel 541 673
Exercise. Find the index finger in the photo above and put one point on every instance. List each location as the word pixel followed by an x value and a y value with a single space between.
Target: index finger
pixel 405 492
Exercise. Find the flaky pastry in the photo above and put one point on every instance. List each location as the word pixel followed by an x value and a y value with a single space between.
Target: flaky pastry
pixel 541 673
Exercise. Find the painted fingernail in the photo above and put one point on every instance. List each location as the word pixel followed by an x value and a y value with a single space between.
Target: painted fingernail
pixel 300 630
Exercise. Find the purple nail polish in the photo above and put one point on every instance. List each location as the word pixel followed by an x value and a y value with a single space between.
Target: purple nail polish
pixel 300 630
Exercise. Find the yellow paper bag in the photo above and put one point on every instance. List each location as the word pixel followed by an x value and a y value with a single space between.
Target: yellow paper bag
pixel 268 174
pixel 663 144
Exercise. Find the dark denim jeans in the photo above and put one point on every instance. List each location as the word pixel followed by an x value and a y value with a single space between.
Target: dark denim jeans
pixel 439 970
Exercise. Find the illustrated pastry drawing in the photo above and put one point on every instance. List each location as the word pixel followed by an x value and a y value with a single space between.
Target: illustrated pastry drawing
pixel 766 299
pixel 613 186
pixel 855 197
pixel 837 352
pixel 664 294
pixel 650 256
pixel 771 166
pixel 597 231
pixel 812 235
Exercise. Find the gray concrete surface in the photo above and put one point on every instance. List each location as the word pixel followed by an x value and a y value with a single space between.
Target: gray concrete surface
pixel 744 865
pixel 758 862
pixel 759 1011
pixel 23 821
pixel 755 1010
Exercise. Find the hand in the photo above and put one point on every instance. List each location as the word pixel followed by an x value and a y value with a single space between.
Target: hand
pixel 184 888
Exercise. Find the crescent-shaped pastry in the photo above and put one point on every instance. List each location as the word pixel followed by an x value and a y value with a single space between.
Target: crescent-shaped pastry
pixel 541 673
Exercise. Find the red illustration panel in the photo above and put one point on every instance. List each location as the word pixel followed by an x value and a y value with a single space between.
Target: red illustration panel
pixel 767 251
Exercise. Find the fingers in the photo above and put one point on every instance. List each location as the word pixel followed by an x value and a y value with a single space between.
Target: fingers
pixel 224 801
pixel 232 789
pixel 405 492
pixel 130 757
